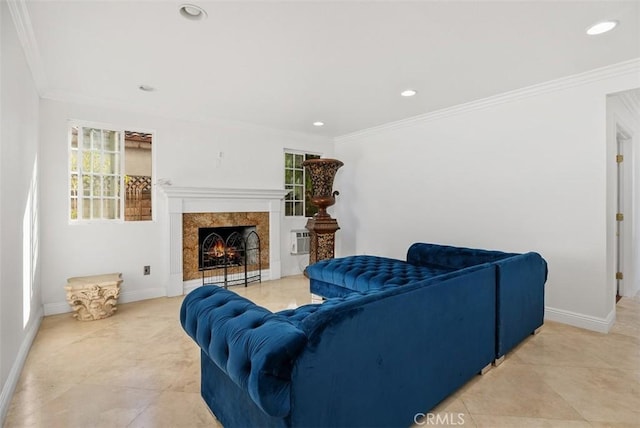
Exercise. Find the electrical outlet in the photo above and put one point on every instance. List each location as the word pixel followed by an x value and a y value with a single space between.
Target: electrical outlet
pixel 147 270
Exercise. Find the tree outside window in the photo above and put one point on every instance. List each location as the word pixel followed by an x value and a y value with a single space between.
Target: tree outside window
pixel 99 188
pixel 298 182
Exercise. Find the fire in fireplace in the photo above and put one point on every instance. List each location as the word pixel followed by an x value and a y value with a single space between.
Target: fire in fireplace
pixel 221 245
pixel 229 255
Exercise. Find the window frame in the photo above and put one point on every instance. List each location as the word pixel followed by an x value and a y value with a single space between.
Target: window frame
pixel 304 155
pixel 122 173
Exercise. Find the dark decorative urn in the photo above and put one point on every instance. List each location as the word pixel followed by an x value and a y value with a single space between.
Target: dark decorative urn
pixel 321 226
pixel 322 172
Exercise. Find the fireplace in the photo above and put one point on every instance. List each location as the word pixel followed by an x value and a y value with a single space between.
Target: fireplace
pixel 225 234
pixel 220 246
pixel 229 255
pixel 191 208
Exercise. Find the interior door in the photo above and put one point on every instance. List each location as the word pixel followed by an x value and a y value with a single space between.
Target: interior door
pixel 624 214
pixel 619 215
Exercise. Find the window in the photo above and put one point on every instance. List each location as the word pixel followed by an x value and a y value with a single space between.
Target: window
pixel 298 200
pixel 103 185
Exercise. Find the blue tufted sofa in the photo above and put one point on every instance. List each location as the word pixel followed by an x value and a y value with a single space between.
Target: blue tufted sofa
pixel 520 280
pixel 371 358
pixel 378 352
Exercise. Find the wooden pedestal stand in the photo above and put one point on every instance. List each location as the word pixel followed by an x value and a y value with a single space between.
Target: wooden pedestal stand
pixel 322 231
pixel 322 228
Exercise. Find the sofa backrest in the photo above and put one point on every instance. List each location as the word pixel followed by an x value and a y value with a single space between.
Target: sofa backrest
pixel 520 280
pixel 444 256
pixel 258 349
pixel 253 346
pixel 378 358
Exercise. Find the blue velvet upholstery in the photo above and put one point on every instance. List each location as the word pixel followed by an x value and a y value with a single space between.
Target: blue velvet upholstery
pixel 372 358
pixel 520 292
pixel 448 257
pixel 361 273
pixel 520 280
pixel 254 347
pixel 369 355
pixel 231 404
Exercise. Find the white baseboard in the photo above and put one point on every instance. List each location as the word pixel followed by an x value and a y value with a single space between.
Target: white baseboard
pixel 601 325
pixel 192 284
pixel 137 295
pixel 125 297
pixel 14 374
pixel 56 308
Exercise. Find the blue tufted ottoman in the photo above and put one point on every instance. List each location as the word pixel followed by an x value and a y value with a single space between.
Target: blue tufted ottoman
pixel 341 277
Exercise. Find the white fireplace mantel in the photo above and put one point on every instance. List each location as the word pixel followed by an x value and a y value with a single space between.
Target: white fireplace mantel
pixel 182 200
pixel 217 193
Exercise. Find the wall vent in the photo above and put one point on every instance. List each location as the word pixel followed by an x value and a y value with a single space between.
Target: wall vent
pixel 300 241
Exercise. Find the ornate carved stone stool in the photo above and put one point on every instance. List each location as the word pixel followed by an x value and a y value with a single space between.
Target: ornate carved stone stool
pixel 93 297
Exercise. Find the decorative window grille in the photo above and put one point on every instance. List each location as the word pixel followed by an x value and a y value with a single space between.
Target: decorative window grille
pixel 95 174
pixel 298 200
pixel 99 189
pixel 138 197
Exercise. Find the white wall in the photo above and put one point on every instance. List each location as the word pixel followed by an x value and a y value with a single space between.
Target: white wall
pixel 138 161
pixel 217 154
pixel 524 171
pixel 19 320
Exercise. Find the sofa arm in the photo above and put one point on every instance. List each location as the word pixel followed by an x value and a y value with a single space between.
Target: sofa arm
pixel 253 346
pixel 444 256
pixel 520 291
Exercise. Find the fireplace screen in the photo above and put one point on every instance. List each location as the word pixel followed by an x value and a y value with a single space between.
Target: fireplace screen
pixel 229 255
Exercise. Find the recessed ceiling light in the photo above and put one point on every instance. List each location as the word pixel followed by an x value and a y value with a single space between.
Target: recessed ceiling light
pixel 146 88
pixel 318 123
pixel 193 12
pixel 601 27
pixel 408 92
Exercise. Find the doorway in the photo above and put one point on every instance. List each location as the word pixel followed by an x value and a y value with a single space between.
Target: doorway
pixel 623 125
pixel 623 206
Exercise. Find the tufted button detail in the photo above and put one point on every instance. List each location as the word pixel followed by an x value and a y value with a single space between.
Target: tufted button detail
pixel 237 336
pixel 362 273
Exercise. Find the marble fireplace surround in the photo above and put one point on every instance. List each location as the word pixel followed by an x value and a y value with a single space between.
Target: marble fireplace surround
pixel 182 200
pixel 193 222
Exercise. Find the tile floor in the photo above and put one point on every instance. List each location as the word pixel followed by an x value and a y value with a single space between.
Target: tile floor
pixel 139 369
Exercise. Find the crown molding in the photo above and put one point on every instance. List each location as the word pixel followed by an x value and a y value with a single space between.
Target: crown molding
pixel 631 100
pixel 24 29
pixel 622 68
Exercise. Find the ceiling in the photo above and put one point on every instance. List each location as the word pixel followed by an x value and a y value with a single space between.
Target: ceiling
pixel 287 64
